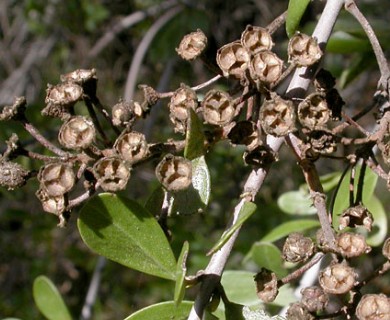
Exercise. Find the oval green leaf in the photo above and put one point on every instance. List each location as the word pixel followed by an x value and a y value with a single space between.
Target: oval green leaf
pixel 194 138
pixel 343 42
pixel 296 203
pixel 181 270
pixel 123 231
pixel 163 311
pixel 295 11
pixel 286 228
pixel 49 300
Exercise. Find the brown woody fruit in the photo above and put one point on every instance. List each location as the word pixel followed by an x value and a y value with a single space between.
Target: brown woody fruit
pixel 16 111
pixel 65 94
pixel 297 311
pixel 266 285
pixel 386 249
pixel 384 146
pixel 314 298
pixel 297 248
pixel 246 133
pixel 132 146
pixel 192 45
pixel 373 307
pixel 303 50
pixel 351 244
pixel 182 100
pixel 256 39
pixel 265 68
pixel 12 175
pixel 79 76
pixel 277 116
pixel 355 216
pixel 322 141
pixel 78 132
pixel 313 112
pixel 123 112
pixel 262 156
pixel 56 179
pixel 324 80
pixel 111 173
pixel 174 173
pixel 50 204
pixel 233 59
pixel 218 108
pixel 338 278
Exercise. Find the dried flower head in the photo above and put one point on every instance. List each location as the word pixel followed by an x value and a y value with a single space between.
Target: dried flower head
pixel 56 179
pixel 322 141
pixel 65 94
pixel 314 298
pixel 233 59
pixel 352 244
pixel 192 45
pixel 338 278
pixel 50 204
pixel 111 173
pixel 218 108
pixel 373 307
pixel 123 112
pixel 303 50
pixel 77 133
pixel 265 68
pixel 313 112
pixel 132 146
pixel 182 100
pixel 266 285
pixel 297 248
pixel 256 39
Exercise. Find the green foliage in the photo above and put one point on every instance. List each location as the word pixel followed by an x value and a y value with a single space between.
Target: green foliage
pixel 195 137
pixel 296 203
pixel 295 11
pixel 181 270
pixel 123 231
pixel 163 311
pixel 49 300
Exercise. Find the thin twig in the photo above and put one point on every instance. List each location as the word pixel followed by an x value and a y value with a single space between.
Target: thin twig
pixel 277 23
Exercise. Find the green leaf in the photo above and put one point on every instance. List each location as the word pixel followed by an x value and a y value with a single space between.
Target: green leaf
pixel 181 270
pixel 342 198
pixel 125 232
pixel 194 138
pixel 360 64
pixel 295 11
pixel 247 209
pixel 343 42
pixel 163 311
pixel 296 203
pixel 233 311
pixel 195 198
pixel 291 226
pixel 267 255
pixel 240 288
pixel 49 300
pixel 155 201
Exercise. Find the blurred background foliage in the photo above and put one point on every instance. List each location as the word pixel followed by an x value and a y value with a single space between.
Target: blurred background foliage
pixel 41 39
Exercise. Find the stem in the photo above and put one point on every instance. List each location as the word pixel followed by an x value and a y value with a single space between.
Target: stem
pixel 96 122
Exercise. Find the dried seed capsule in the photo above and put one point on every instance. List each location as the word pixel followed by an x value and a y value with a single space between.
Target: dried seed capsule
pixel 123 112
pixel 16 111
pixel 303 50
pixel 218 108
pixel 351 244
pixel 322 141
pixel 277 116
pixel 256 39
pixel 111 174
pixel 182 100
pixel 356 216
pixel 79 76
pixel 335 103
pixel 12 175
pixel 324 80
pixel 174 173
pixel 314 298
pixel 384 146
pixel 313 112
pixel 262 156
pixel 266 285
pixel 192 45
pixel 265 67
pixel 386 249
pixel 373 307
pixel 132 146
pixel 65 94
pixel 338 278
pixel 77 133
pixel 297 311
pixel 297 248
pixel 50 204
pixel 56 178
pixel 151 96
pixel 246 133
pixel 233 59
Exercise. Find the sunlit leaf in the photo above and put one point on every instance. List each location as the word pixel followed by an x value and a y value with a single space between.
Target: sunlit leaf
pixel 194 138
pixel 296 203
pixel 163 311
pixel 49 300
pixel 295 11
pixel 123 231
pixel 181 270
pixel 246 211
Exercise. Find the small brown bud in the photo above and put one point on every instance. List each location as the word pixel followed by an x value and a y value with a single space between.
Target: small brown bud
pixel 65 94
pixel 373 307
pixel 314 299
pixel 123 112
pixel 352 244
pixel 12 175
pixel 297 311
pixel 233 59
pixel 265 67
pixel 192 45
pixel 356 216
pixel 277 116
pixel 297 248
pixel 386 249
pixel 338 278
pixel 111 174
pixel 182 100
pixel 322 141
pixel 50 204
pixel 56 179
pixel 16 111
pixel 218 108
pixel 174 173
pixel 77 133
pixel 266 285
pixel 303 50
pixel 132 146
pixel 256 39
pixel 313 112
